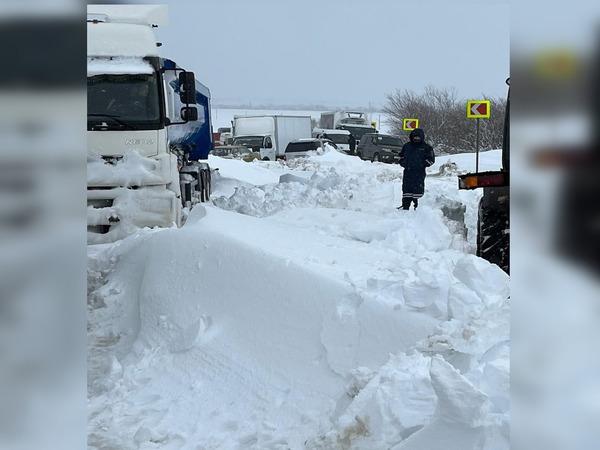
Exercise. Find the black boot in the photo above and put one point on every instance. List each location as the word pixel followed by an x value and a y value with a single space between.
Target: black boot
pixel 406 203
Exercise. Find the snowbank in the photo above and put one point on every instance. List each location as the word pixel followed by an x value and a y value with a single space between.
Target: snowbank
pixel 450 392
pixel 320 318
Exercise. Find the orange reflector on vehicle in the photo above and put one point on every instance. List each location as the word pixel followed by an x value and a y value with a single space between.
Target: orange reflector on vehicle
pixel 483 179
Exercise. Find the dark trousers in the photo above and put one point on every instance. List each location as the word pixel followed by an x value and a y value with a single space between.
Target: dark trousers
pixel 406 201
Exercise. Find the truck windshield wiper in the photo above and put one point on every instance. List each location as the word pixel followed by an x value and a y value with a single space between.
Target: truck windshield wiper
pixel 114 118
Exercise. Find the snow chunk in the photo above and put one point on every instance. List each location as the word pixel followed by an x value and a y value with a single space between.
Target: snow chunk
pixel 458 421
pixel 479 285
pixel 395 403
pixel 322 190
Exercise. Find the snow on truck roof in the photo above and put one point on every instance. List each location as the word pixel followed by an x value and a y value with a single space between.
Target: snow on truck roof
pixel 330 131
pixel 124 30
pixel 344 112
pixel 118 66
pixel 132 14
pixel 120 39
pixel 355 125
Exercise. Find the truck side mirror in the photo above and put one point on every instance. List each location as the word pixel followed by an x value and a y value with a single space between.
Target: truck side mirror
pixel 187 88
pixel 189 113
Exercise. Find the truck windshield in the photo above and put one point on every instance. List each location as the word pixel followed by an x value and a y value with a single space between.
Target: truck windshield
pixel 121 102
pixel 249 141
pixel 354 120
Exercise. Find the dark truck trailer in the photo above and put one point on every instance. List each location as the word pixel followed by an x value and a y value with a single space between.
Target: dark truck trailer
pixel 493 223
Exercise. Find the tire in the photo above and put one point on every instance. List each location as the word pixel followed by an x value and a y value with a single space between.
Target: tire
pixel 493 227
pixel 376 157
pixel 266 158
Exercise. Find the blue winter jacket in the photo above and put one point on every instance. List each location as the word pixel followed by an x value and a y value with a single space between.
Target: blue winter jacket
pixel 415 157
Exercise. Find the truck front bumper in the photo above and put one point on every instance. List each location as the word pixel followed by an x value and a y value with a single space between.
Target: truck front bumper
pixel 131 193
pixel 115 213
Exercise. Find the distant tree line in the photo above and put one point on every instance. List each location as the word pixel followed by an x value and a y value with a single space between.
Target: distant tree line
pixel 442 114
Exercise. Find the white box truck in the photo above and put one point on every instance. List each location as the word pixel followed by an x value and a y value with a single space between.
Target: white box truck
pixel 332 119
pixel 270 135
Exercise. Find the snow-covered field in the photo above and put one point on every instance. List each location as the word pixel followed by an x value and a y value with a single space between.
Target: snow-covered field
pixel 302 310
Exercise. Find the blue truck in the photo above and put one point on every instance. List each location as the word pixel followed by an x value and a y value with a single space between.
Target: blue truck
pixel 192 141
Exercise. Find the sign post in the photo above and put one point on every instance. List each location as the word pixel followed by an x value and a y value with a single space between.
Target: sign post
pixel 410 124
pixel 478 109
pixel 477 148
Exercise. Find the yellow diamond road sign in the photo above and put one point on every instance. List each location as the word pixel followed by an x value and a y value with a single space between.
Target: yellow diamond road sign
pixel 478 109
pixel 410 124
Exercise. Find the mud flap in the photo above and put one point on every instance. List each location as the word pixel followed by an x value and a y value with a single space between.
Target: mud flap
pixel 205 184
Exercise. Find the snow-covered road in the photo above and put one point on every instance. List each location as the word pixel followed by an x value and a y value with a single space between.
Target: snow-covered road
pixel 302 310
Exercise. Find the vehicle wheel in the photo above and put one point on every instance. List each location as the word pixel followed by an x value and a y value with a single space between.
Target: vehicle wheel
pixel 376 157
pixel 266 158
pixel 493 227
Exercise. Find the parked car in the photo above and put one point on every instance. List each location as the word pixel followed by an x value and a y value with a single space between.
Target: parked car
pixel 380 147
pixel 341 138
pixel 303 147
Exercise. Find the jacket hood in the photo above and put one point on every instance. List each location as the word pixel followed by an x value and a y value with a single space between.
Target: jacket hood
pixel 417 132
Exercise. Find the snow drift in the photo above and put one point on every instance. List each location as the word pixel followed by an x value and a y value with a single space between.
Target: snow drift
pixel 300 323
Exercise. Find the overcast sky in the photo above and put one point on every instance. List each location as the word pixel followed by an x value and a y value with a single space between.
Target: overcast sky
pixel 339 52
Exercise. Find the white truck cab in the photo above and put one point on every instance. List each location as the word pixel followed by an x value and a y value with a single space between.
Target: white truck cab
pixel 133 177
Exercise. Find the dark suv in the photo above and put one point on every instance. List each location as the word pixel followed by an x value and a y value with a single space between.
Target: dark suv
pixel 380 147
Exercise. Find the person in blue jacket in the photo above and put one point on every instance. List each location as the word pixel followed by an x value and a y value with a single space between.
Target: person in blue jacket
pixel 415 156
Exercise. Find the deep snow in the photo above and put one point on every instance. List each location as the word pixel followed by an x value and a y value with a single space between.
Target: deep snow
pixel 302 310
